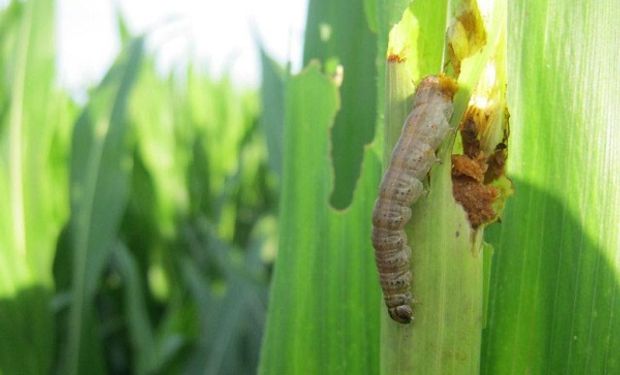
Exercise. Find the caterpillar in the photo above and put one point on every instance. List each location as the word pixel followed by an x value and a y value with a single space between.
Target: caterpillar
pixel 412 158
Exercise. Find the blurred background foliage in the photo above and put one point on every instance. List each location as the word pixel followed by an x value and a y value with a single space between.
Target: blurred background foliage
pixel 138 228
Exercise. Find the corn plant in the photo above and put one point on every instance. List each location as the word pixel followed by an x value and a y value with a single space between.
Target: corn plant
pixel 539 293
pixel 137 229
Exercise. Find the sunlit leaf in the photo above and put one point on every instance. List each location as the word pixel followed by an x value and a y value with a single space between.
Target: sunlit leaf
pixel 323 312
pixel 555 281
pixel 31 211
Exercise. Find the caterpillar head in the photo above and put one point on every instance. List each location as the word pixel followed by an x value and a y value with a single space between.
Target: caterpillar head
pixel 402 314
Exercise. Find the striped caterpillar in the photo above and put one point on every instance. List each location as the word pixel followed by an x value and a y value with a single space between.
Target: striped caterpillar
pixel 412 158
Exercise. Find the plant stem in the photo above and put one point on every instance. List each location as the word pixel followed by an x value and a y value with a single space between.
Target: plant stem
pixel 447 270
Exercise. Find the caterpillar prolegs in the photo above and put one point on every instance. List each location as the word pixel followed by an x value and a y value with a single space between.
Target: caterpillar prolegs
pixel 412 158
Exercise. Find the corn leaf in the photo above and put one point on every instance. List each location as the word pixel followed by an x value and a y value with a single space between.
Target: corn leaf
pixel 554 297
pixel 323 313
pixel 337 33
pixel 272 116
pixel 100 170
pixel 29 178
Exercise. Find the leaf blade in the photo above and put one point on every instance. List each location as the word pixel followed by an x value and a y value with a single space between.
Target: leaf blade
pixel 559 253
pixel 99 189
pixel 323 312
pixel 29 222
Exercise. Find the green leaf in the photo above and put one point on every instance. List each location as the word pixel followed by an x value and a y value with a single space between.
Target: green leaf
pixel 337 31
pixel 487 263
pixel 228 315
pixel 323 312
pixel 100 170
pixel 555 290
pixel 217 147
pixel 29 179
pixel 121 26
pixel 272 117
pixel 370 10
pixel 163 146
pixel 140 331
